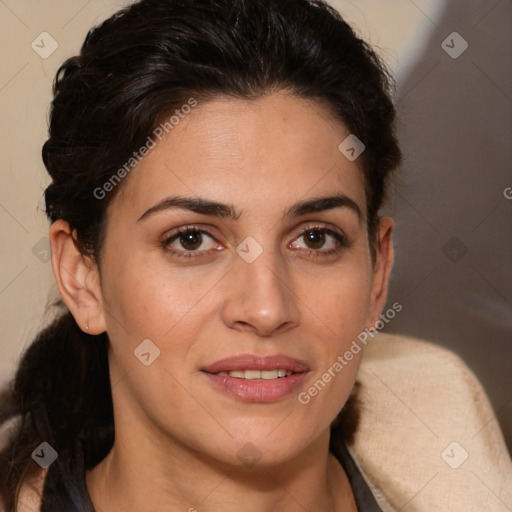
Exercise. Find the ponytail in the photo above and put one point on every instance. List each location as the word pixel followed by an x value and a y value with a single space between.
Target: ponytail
pixel 61 395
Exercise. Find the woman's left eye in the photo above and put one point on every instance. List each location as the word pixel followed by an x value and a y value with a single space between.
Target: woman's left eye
pixel 316 239
pixel 193 242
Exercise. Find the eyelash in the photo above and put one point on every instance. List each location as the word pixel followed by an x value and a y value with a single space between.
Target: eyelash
pixel 341 239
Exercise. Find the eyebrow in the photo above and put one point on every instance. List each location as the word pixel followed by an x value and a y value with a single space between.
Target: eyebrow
pixel 222 210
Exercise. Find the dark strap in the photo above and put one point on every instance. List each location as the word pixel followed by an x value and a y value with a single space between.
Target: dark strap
pixel 365 500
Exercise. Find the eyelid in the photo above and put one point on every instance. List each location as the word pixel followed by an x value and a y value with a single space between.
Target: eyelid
pixel 204 229
pixel 321 226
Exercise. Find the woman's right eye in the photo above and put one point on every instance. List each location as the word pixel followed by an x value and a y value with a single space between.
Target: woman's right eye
pixel 189 242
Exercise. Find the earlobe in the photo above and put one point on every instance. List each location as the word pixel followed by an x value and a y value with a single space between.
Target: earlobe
pixel 382 270
pixel 77 279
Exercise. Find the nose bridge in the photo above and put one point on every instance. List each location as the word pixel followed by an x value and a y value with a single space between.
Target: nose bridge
pixel 266 272
pixel 262 276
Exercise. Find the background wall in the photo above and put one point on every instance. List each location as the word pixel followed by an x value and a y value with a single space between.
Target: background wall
pixel 453 197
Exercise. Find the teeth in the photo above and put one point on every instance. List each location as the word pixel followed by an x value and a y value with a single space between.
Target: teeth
pixel 251 374
pixel 257 374
pixel 269 374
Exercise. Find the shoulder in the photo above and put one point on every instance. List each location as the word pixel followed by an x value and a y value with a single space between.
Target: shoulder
pixel 30 496
pixel 428 435
pixel 31 491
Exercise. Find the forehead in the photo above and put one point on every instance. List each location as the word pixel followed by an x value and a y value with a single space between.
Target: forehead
pixel 279 149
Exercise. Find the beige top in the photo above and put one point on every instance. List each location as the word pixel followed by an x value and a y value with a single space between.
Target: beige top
pixel 428 439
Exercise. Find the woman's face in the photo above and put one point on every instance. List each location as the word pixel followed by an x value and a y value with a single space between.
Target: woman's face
pixel 285 283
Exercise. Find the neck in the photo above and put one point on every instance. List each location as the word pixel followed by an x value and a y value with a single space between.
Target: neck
pixel 139 474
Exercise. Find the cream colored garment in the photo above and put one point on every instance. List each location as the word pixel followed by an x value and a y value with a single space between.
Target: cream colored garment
pixel 418 399
pixel 428 438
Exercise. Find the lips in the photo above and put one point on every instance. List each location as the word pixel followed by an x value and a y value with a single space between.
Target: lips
pixel 252 362
pixel 252 378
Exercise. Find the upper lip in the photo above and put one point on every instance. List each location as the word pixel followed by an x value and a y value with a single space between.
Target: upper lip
pixel 255 362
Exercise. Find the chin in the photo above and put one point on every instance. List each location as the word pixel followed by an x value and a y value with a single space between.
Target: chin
pixel 267 448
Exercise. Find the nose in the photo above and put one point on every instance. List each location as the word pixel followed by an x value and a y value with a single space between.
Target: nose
pixel 259 297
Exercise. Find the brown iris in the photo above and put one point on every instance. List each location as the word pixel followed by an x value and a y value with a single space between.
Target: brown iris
pixel 314 238
pixel 191 240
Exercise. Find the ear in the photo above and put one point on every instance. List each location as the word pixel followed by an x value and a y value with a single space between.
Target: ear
pixel 78 279
pixel 382 267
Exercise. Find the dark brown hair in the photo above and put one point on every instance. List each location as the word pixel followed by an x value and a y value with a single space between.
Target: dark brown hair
pixel 145 62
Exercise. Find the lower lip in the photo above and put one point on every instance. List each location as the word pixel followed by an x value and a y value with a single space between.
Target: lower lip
pixel 257 391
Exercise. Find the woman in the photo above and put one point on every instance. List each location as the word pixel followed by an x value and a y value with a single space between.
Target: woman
pixel 217 171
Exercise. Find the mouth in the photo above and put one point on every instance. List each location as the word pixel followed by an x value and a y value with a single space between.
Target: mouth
pixel 252 378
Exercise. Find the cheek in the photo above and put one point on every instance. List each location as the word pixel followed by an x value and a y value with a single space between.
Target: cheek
pixel 148 298
pixel 341 299
pixel 340 306
pixel 147 301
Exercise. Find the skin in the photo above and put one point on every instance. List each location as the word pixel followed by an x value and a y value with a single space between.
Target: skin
pixel 177 437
